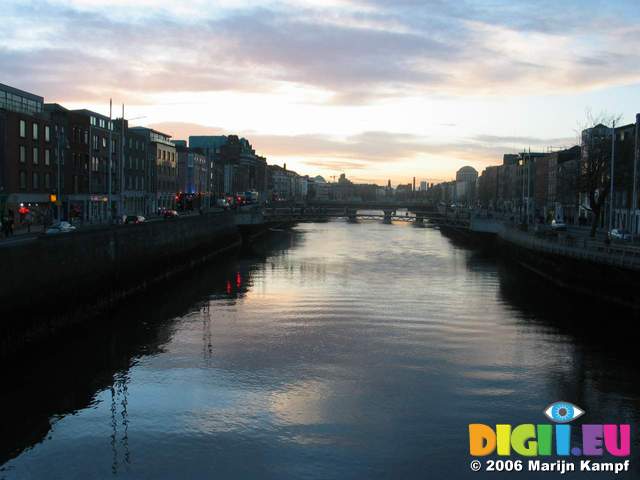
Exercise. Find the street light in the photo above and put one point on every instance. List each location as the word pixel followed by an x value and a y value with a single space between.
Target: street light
pixel 60 149
pixel 613 157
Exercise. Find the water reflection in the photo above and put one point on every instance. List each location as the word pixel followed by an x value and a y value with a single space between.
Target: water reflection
pixel 332 351
pixel 63 378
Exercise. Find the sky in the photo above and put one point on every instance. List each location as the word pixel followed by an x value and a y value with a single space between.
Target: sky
pixel 375 89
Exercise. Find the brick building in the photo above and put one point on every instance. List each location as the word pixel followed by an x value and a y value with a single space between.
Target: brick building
pixel 27 143
pixel 162 185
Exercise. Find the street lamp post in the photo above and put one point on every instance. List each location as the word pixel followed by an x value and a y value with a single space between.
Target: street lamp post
pixel 634 198
pixel 110 165
pixel 121 165
pixel 613 159
pixel 59 172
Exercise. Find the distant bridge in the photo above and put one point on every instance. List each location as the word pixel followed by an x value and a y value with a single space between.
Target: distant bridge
pixel 365 211
pixel 409 204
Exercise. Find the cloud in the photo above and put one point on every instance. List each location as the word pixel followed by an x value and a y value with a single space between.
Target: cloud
pixel 356 51
pixel 372 150
pixel 522 142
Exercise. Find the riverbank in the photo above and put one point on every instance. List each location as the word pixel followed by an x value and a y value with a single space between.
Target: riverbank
pixel 54 282
pixel 608 272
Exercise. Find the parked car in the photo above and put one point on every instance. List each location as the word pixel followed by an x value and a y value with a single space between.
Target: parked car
pixel 222 203
pixel 558 226
pixel 134 219
pixel 60 227
pixel 620 234
pixel 170 213
pixel 251 197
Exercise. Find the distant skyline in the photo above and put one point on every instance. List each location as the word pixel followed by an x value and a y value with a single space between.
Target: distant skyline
pixel 371 88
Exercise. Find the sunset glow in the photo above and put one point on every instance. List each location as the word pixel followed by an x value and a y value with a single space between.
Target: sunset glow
pixel 374 89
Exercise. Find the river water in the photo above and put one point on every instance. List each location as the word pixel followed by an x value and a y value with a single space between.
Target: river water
pixel 333 350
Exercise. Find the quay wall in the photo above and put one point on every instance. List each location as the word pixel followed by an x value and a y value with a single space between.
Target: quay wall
pixel 610 273
pixel 607 282
pixel 55 281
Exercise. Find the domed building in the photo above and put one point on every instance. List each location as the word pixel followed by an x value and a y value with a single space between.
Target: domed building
pixel 467 174
pixel 466 179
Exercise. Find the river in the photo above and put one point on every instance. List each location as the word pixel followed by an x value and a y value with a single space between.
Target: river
pixel 333 350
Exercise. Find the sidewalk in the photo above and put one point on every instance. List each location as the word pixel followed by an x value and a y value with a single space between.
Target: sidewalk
pixel 20 231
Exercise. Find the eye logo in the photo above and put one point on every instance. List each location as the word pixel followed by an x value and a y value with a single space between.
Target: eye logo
pixel 563 412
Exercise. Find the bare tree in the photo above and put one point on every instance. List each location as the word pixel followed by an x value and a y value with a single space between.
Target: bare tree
pixel 595 171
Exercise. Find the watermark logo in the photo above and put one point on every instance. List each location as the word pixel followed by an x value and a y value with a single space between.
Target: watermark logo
pixel 563 412
pixel 558 439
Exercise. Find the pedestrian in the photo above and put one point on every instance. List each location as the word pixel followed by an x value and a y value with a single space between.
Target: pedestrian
pixel 5 225
pixel 46 220
pixel 28 220
pixel 10 220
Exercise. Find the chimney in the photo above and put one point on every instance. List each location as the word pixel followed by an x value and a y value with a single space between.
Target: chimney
pixel 414 184
pixel 285 166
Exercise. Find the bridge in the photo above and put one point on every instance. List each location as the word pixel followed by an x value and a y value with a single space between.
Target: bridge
pixel 412 205
pixel 417 210
pixel 351 211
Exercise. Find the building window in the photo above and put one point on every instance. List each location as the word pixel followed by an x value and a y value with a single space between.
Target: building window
pixel 47 133
pixel 35 181
pixel 47 157
pixel 23 154
pixel 47 180
pixel 23 179
pixel 104 142
pixel 23 129
pixel 36 158
pixel 35 131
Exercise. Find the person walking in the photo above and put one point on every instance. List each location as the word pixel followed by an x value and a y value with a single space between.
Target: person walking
pixel 11 217
pixel 5 225
pixel 28 220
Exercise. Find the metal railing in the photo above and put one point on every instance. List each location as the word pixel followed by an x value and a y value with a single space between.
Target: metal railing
pixel 627 256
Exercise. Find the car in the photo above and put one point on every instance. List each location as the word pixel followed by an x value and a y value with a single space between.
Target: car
pixel 558 226
pixel 60 227
pixel 222 203
pixel 170 213
pixel 251 197
pixel 620 234
pixel 134 219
